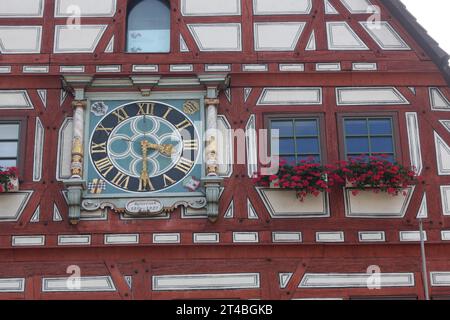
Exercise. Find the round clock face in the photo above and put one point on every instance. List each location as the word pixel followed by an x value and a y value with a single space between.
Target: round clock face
pixel 144 147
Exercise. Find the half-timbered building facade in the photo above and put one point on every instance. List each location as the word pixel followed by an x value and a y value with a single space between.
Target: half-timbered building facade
pixel 113 201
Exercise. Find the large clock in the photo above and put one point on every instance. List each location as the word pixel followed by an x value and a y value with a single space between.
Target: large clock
pixel 144 147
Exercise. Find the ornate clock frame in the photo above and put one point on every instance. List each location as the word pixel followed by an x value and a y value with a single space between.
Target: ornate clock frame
pixel 160 203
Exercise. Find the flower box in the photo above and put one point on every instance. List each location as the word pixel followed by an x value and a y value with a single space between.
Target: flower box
pixel 285 204
pixel 371 204
pixel 9 181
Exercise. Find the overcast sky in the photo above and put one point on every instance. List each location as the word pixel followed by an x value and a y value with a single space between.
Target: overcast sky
pixel 433 15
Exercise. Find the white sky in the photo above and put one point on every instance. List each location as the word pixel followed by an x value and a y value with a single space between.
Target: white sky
pixel 433 15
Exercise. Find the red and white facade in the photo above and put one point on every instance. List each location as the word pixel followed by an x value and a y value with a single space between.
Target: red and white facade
pixel 279 57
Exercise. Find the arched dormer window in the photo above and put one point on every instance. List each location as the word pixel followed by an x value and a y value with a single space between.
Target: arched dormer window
pixel 148 29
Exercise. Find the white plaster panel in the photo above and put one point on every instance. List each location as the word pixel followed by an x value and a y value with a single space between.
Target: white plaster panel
pixel 87 284
pixel 277 36
pixel 245 237
pixel 438 101
pixel 27 241
pixel 206 238
pixel 411 236
pixel 85 8
pixel 20 39
pixel 342 37
pixel 277 7
pixel 440 279
pixel 181 68
pixel 442 155
pixel 333 236
pixel 445 198
pixel 290 96
pixel 225 147
pixel 371 236
pixel 445 235
pixel 251 143
pixel 12 285
pixel 210 7
pixel 385 35
pixel 77 40
pixel 39 138
pixel 145 68
pixel 64 159
pixel 74 240
pixel 333 66
pixel 5 69
pixel 291 67
pixel 13 204
pixel 121 238
pixel 329 8
pixel 217 36
pixel 364 66
pixel 231 281
pixel 15 99
pixel 217 67
pixel 166 238
pixel 255 67
pixel 21 8
pixel 369 96
pixel 288 237
pixel 35 69
pixel 71 69
pixel 355 280
pixel 415 152
pixel 358 6
pixel 108 69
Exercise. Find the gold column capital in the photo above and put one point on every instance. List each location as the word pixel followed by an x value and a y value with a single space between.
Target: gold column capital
pixel 79 104
pixel 209 102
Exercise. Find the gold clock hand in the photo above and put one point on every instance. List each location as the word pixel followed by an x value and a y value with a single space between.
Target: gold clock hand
pixel 144 181
pixel 165 149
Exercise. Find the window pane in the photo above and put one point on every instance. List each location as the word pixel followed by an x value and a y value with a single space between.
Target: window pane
pixel 9 131
pixel 308 145
pixel 382 145
pixel 285 128
pixel 306 128
pixel 356 127
pixel 385 156
pixel 149 26
pixel 358 157
pixel 357 145
pixel 8 149
pixel 289 159
pixel 287 146
pixel 310 158
pixel 380 126
pixel 8 163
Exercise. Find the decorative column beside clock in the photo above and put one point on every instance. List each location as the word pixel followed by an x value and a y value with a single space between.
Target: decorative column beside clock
pixel 212 182
pixel 76 184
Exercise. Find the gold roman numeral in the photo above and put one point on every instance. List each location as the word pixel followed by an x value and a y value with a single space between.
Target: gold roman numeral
pixel 190 144
pixel 145 184
pixel 104 166
pixel 184 165
pixel 184 124
pixel 167 113
pixel 146 108
pixel 121 180
pixel 98 148
pixel 101 127
pixel 121 115
pixel 168 181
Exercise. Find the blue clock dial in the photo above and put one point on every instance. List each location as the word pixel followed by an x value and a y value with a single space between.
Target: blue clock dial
pixel 144 147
